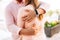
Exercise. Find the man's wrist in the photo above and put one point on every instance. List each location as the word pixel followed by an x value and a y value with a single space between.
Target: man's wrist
pixel 27 32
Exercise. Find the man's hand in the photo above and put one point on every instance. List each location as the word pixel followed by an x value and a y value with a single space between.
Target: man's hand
pixel 30 16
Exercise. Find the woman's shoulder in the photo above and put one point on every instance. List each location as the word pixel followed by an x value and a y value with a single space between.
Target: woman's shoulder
pixel 28 7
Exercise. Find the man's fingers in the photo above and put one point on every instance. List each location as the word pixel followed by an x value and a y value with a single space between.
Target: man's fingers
pixel 31 17
pixel 26 18
pixel 29 20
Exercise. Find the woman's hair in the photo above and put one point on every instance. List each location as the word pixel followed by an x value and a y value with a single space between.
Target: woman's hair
pixel 40 16
pixel 28 2
pixel 36 3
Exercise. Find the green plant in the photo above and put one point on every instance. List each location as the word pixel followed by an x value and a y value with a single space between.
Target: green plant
pixel 51 24
pixel 47 24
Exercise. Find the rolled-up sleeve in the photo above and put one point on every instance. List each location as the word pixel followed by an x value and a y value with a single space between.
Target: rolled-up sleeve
pixel 10 22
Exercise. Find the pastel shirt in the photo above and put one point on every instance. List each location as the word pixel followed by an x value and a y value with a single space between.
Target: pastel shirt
pixel 11 18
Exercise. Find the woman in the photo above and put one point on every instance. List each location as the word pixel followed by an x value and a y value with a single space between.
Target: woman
pixel 11 18
pixel 37 22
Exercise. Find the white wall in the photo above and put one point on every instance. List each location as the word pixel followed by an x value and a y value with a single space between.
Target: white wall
pixel 54 5
pixel 4 34
pixel 3 4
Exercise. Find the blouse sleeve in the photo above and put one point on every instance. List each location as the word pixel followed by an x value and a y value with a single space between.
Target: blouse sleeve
pixel 10 22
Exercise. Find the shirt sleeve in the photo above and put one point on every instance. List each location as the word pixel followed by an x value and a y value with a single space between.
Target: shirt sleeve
pixel 10 22
pixel 44 5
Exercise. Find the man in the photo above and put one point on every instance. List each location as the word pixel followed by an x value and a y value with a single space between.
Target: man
pixel 11 18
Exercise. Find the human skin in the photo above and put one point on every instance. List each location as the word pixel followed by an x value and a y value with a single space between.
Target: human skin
pixel 25 29
pixel 28 23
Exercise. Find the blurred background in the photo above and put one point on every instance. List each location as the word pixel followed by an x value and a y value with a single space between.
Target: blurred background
pixel 52 25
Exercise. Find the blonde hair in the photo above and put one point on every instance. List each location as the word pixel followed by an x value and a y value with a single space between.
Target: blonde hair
pixel 27 2
pixel 36 3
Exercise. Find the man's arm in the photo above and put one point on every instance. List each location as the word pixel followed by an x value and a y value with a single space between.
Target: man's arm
pixel 27 32
pixel 10 22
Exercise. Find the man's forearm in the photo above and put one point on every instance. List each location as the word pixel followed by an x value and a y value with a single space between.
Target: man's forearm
pixel 27 32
